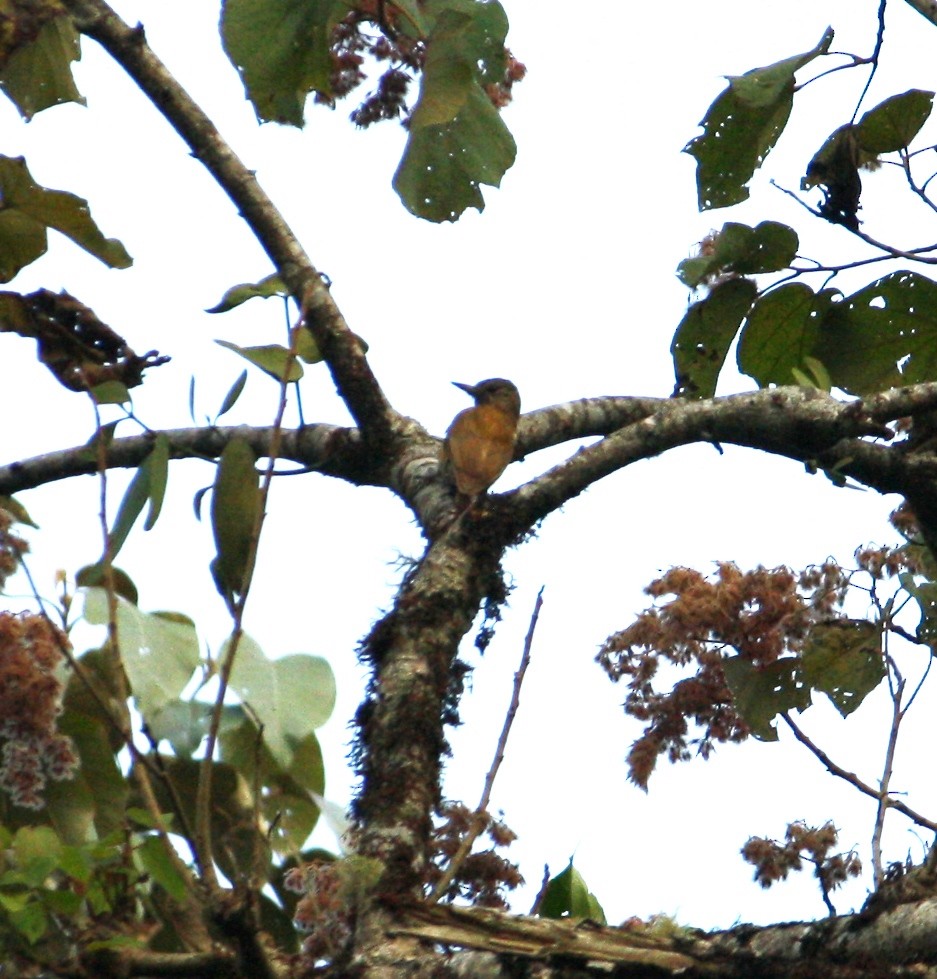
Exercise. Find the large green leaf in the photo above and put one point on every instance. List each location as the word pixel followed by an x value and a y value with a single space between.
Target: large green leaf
pixel 568 895
pixel 38 75
pixel 272 358
pixel 287 798
pixel 235 503
pixel 281 49
pixel 705 334
pixel 760 693
pixel 883 335
pixel 768 247
pixel 892 124
pixel 780 331
pixel 92 804
pixel 159 650
pixel 148 484
pixel 290 696
pixel 458 139
pixel 271 285
pixel 28 212
pixel 844 660
pixel 742 126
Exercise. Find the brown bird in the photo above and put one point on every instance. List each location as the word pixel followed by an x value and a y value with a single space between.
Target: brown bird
pixel 480 441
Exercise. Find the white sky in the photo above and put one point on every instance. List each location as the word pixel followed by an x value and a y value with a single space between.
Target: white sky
pixel 564 284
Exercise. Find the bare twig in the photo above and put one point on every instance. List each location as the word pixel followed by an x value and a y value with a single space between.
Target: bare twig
pixel 876 51
pixel 896 687
pixel 854 779
pixel 480 816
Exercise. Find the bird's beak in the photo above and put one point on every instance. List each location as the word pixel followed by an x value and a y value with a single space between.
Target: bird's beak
pixel 467 388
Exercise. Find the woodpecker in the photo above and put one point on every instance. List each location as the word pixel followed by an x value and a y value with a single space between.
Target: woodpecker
pixel 480 441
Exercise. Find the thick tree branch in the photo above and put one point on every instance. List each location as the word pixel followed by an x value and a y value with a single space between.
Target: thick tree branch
pixel 342 350
pixel 926 8
pixel 897 943
pixel 799 423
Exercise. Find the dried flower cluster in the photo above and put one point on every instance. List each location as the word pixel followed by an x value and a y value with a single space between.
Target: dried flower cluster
pixel 404 57
pixel 759 614
pixel 773 861
pixel 12 548
pixel 483 877
pixel 323 911
pixel 30 701
pixel 351 46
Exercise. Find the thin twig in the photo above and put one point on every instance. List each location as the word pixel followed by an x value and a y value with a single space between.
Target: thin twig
pixel 480 816
pixel 876 51
pixel 203 792
pixel 854 779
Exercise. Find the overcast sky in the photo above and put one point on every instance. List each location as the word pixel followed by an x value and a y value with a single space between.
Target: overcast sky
pixel 565 284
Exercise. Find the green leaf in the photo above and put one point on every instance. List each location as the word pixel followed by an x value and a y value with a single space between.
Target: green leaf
pixel 159 650
pixel 925 594
pixel 17 511
pixel 271 358
pixel 882 336
pixel 234 392
pixel 272 285
pixel 35 851
pixel 737 248
pixel 290 696
pixel 742 126
pixel 235 507
pixel 90 805
pixel 158 464
pixel 893 124
pixel 159 865
pixel 457 138
pixel 288 801
pixel 148 484
pixel 38 75
pixel 705 334
pixel 281 49
pixel 781 329
pixel 111 393
pixel 93 575
pixel 183 723
pixel 30 922
pixel 306 347
pixel 844 660
pixel 30 210
pixel 236 840
pixel 760 693
pixel 567 895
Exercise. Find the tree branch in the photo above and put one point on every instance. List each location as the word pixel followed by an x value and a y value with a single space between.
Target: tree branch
pixel 341 348
pixel 926 8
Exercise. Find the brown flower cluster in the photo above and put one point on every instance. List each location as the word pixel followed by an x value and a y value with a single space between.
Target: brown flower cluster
pixel 32 751
pixel 323 911
pixel 773 860
pixel 760 615
pixel 483 877
pixel 888 562
pixel 502 92
pixel 353 44
pixel 12 548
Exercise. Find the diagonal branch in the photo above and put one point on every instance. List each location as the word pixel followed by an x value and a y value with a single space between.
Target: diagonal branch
pixel 341 348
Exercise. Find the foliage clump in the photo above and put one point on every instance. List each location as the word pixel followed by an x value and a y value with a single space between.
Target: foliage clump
pixel 774 860
pixel 760 614
pixel 482 877
pixel 30 701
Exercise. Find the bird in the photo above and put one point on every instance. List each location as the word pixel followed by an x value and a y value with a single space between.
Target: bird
pixel 480 441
